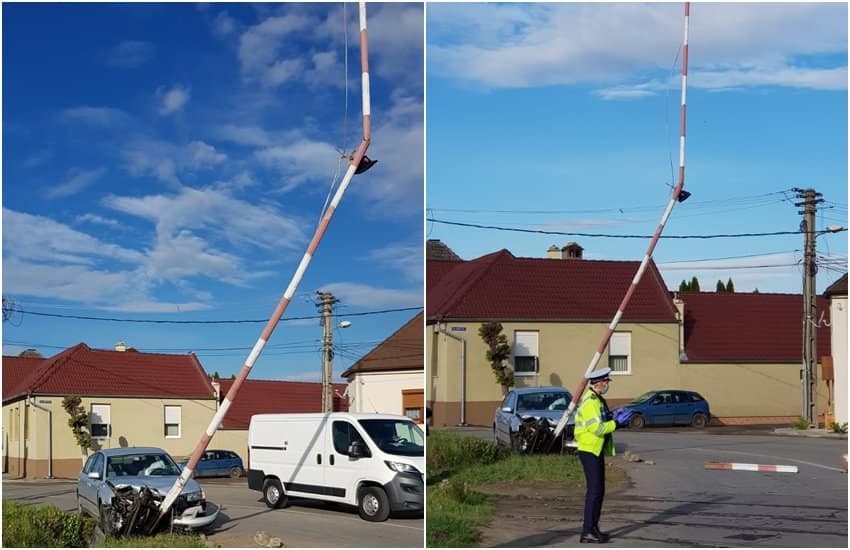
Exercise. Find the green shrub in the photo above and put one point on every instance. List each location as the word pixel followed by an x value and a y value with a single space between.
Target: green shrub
pixel 44 526
pixel 447 451
pixel 800 424
pixel 839 428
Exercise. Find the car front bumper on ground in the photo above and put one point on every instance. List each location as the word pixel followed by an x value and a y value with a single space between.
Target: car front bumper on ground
pixel 197 517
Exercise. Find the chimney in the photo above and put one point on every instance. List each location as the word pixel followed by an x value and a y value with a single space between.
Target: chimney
pixel 120 346
pixel 553 253
pixel 572 251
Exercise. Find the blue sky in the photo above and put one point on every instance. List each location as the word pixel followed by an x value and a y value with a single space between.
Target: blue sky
pixel 170 161
pixel 573 110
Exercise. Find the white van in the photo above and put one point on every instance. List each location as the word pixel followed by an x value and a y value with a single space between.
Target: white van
pixel 372 461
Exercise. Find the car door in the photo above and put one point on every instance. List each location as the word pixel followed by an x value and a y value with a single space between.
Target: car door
pixel 84 484
pixel 503 418
pixel 660 409
pixel 88 486
pixel 341 470
pixel 682 408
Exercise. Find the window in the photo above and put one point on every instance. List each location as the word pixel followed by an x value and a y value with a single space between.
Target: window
pixel 96 464
pixel 89 463
pixel 99 420
pixel 510 401
pixel 413 404
pixel 526 361
pixel 344 434
pixel 619 353
pixel 172 421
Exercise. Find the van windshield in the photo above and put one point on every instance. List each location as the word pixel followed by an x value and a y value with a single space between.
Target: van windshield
pixel 397 437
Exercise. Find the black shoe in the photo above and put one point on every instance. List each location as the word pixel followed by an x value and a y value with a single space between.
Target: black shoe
pixel 602 534
pixel 592 538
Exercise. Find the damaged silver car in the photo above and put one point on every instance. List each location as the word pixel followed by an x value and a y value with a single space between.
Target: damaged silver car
pixel 123 488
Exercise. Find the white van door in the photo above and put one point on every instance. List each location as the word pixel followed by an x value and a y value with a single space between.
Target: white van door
pixel 343 472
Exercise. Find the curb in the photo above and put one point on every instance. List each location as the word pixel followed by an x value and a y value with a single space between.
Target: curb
pixel 814 432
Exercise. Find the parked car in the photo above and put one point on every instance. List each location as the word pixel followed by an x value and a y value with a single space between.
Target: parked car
pixel 217 463
pixel 668 408
pixel 549 402
pixel 137 467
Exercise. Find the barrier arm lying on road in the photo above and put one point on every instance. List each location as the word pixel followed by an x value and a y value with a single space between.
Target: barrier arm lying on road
pixel 679 195
pixel 358 163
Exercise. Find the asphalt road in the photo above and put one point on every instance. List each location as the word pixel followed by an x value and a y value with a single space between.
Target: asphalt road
pixel 303 523
pixel 677 502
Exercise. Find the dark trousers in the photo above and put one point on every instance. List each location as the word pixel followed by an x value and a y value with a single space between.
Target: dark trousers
pixel 594 475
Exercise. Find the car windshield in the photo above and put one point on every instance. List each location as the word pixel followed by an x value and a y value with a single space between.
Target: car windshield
pixel 643 397
pixel 543 401
pixel 397 437
pixel 142 464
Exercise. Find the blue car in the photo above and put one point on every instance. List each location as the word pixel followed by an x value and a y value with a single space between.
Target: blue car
pixel 218 463
pixel 669 408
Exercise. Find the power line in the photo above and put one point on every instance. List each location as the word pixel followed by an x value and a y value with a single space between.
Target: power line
pixel 612 236
pixel 210 322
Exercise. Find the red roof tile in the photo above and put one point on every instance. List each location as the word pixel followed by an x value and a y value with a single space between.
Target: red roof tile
pixel 275 396
pixel 502 287
pixel 838 288
pixel 751 328
pixel 83 371
pixel 402 350
pixel 16 370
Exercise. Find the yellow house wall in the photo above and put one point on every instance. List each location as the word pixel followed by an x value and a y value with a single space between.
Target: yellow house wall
pixel 136 422
pixel 232 440
pixel 565 350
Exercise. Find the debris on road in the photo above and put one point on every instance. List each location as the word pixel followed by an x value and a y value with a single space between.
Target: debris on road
pixel 262 539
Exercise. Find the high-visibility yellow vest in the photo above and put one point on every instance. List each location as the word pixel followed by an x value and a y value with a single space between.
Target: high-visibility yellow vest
pixel 591 428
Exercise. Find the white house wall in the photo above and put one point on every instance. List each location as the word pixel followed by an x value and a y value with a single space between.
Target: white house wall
pixel 838 317
pixel 381 392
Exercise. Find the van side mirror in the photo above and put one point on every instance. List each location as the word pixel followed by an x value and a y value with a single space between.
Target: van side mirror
pixel 356 450
pixel 94 475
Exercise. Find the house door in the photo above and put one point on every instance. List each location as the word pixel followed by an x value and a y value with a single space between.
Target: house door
pixel 413 405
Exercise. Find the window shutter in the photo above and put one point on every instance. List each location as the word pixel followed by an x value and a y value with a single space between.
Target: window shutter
pixel 525 343
pixel 172 414
pixel 619 344
pixel 99 414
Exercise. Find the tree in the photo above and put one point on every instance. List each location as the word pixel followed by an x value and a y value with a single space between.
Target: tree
pixel 730 287
pixel 497 353
pixel 233 377
pixel 78 421
pixel 214 375
pixel 30 352
pixel 684 286
pixel 720 286
pixel 694 284
pixel 756 291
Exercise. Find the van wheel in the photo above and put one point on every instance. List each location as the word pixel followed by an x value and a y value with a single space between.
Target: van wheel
pixel 373 504
pixel 273 494
pixel 698 421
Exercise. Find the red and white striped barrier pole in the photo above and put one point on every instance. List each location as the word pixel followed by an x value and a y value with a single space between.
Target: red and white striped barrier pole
pixel 354 163
pixel 645 262
pixel 751 467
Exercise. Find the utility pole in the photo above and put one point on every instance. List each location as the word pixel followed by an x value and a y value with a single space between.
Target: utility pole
pixel 810 199
pixel 326 308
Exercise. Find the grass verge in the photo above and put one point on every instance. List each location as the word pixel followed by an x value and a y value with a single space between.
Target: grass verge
pixel 456 465
pixel 163 540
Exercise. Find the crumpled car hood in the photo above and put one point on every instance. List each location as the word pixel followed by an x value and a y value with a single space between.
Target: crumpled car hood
pixel 551 415
pixel 160 483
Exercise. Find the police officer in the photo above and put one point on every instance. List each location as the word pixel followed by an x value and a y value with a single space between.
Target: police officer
pixel 594 425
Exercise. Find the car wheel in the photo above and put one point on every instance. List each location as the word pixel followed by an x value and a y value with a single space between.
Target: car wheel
pixel 373 504
pixel 273 494
pixel 699 420
pixel 235 472
pixel 637 422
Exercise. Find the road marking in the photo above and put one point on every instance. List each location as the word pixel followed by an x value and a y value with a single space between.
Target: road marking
pixel 320 513
pixel 718 451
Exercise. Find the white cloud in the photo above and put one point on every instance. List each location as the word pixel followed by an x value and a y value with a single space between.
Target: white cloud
pixel 172 100
pixel 41 239
pixel 223 25
pixel 242 135
pixel 77 181
pixel 98 220
pixel 356 294
pixel 405 257
pixel 217 211
pixel 301 160
pixel 202 154
pixel 166 161
pixel 106 117
pixel 130 54
pixel 261 45
pixel 730 44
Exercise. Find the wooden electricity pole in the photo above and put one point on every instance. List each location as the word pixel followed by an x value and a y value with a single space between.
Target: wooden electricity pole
pixel 326 308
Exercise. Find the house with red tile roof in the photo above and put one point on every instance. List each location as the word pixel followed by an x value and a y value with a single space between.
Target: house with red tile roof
pixel 836 293
pixel 741 351
pixel 133 399
pixel 554 312
pixel 389 379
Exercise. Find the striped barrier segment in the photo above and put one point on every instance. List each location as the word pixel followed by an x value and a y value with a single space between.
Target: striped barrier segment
pixel 751 467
